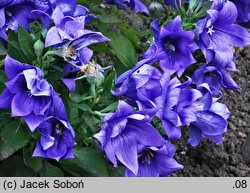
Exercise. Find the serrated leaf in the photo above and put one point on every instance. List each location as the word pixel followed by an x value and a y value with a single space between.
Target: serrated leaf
pixel 34 163
pixel 12 138
pixel 49 170
pixel 26 43
pixel 92 162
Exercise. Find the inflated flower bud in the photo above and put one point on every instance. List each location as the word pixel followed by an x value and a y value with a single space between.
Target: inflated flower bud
pixel 156 9
pixel 39 47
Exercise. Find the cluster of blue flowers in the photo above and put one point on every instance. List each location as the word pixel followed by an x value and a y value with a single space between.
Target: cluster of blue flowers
pixel 151 89
pixel 146 92
pixel 27 93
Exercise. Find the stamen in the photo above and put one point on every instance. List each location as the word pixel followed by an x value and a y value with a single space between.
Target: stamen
pixel 210 30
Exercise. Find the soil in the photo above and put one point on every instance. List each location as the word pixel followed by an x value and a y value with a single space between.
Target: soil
pixel 226 159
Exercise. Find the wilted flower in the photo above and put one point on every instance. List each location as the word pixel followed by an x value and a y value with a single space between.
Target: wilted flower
pixel 218 33
pixel 136 5
pixel 174 46
pixel 57 135
pixel 123 132
pixel 72 71
pixel 27 94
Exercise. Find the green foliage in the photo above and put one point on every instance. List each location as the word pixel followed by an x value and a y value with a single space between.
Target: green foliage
pixel 34 163
pixel 49 170
pixel 12 138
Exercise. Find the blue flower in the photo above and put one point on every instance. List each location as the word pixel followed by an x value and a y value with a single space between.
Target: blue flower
pixel 218 33
pixel 243 8
pixel 142 83
pixel 211 118
pixel 27 94
pixel 123 132
pixel 18 12
pixel 155 161
pixel 175 47
pixel 216 75
pixel 57 135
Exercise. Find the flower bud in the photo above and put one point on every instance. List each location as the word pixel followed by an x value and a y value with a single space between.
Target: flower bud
pixel 39 47
pixel 156 9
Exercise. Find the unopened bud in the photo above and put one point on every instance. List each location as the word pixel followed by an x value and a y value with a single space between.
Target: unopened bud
pixel 39 47
pixel 156 9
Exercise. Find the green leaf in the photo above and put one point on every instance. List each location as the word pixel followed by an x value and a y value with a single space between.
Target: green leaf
pixel 26 43
pixel 49 170
pixel 110 108
pixel 78 98
pixel 34 163
pixel 131 34
pixel 92 122
pixel 14 167
pixel 92 162
pixel 3 77
pixel 3 50
pixel 84 107
pixel 109 18
pixel 12 138
pixel 108 84
pixel 14 49
pixel 117 172
pixel 72 166
pixel 123 49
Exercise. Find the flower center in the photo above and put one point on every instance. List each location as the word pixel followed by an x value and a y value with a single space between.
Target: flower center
pixel 68 52
pixel 146 156
pixel 169 47
pixel 210 30
pixel 58 129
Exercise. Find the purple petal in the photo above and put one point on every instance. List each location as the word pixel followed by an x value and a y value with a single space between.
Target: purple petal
pixel 174 25
pixel 57 151
pixel 195 136
pixel 33 121
pixel 155 27
pixel 5 99
pixel 39 152
pixel 210 123
pixel 13 67
pixel 69 154
pixel 70 83
pixel 172 131
pixel 53 37
pixel 22 105
pixel 145 134
pixel 126 152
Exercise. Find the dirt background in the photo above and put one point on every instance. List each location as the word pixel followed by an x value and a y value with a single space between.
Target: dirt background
pixel 209 159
